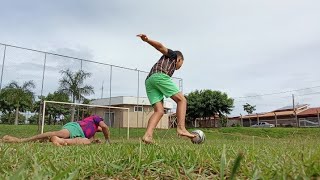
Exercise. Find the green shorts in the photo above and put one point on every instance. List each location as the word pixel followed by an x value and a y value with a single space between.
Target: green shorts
pixel 159 85
pixel 74 129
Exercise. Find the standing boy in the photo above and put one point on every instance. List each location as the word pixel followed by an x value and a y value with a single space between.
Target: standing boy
pixel 159 84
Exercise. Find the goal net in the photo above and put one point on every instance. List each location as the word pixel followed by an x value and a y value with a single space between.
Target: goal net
pixel 61 113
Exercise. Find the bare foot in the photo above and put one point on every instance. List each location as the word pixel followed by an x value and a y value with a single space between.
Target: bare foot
pixel 58 141
pixel 185 133
pixel 12 139
pixel 147 139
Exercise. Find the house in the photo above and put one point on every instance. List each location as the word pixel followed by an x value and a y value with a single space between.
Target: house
pixel 301 115
pixel 140 111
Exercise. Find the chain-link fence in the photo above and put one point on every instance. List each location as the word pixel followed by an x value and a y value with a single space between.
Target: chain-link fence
pixel 44 69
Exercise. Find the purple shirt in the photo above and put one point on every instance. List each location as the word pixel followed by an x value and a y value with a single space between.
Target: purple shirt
pixel 90 125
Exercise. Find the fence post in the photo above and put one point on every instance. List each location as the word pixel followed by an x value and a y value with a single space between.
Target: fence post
pixel 276 118
pixel 4 57
pixel 181 85
pixel 41 93
pixel 110 89
pixel 318 117
pixel 241 120
pixel 138 94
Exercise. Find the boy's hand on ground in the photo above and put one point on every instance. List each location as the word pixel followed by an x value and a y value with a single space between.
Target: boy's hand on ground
pixel 143 37
pixel 97 141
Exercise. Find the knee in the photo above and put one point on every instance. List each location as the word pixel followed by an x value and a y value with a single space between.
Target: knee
pixel 54 139
pixel 181 99
pixel 64 133
pixel 159 112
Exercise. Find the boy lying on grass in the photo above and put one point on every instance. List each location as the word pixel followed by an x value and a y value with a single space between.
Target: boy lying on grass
pixel 72 133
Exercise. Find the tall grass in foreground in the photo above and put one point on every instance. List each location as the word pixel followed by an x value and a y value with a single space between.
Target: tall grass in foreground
pixel 230 153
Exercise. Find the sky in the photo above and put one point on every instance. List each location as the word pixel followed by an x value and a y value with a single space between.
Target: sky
pixel 245 48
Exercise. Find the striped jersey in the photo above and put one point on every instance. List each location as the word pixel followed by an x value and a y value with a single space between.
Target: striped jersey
pixel 166 64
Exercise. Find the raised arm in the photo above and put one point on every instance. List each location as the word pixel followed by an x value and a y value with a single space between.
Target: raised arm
pixel 105 130
pixel 153 43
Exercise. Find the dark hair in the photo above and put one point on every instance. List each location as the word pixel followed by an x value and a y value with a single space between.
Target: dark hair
pixel 179 54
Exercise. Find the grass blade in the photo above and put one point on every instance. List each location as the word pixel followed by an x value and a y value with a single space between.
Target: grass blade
pixel 236 166
pixel 223 162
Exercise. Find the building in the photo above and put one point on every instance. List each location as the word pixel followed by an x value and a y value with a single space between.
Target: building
pixel 209 122
pixel 140 111
pixel 302 115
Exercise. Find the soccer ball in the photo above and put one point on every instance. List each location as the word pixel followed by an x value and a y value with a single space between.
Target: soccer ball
pixel 200 137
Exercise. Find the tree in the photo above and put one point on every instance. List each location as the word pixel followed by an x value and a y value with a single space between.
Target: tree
pixel 5 106
pixel 72 83
pixel 8 119
pixel 207 103
pixel 249 108
pixel 52 109
pixel 19 97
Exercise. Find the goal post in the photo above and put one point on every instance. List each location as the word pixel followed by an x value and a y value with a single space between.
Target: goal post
pixel 86 105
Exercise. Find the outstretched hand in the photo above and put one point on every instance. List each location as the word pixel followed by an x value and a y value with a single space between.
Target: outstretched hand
pixel 97 141
pixel 143 37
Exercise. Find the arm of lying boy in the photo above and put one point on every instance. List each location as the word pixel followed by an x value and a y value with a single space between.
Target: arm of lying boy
pixel 105 130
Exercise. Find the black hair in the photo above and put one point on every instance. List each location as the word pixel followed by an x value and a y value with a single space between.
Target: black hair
pixel 179 54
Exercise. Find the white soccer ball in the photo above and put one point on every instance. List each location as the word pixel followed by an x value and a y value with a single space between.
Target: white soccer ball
pixel 200 137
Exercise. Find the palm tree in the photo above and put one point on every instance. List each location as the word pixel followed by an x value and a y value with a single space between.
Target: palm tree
pixel 21 97
pixel 72 83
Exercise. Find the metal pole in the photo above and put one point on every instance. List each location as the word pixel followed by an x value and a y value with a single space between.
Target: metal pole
pixel 43 71
pixel 102 89
pixel 138 92
pixel 294 111
pixel 181 88
pixel 110 82
pixel 4 57
pixel 43 113
pixel 318 117
pixel 275 115
pixel 128 125
pixel 79 97
pixel 41 93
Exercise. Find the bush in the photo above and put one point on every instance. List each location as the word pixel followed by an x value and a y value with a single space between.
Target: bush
pixel 9 118
pixel 34 119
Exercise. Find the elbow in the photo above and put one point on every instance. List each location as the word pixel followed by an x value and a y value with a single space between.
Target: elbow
pixel 105 127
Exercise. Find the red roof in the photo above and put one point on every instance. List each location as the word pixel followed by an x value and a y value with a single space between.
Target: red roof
pixel 310 111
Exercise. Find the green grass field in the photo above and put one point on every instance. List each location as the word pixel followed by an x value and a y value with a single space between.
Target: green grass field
pixel 239 153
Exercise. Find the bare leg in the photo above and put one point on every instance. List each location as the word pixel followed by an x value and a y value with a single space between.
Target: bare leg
pixel 181 115
pixel 62 134
pixel 58 141
pixel 153 121
pixel 63 142
pixel 8 138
